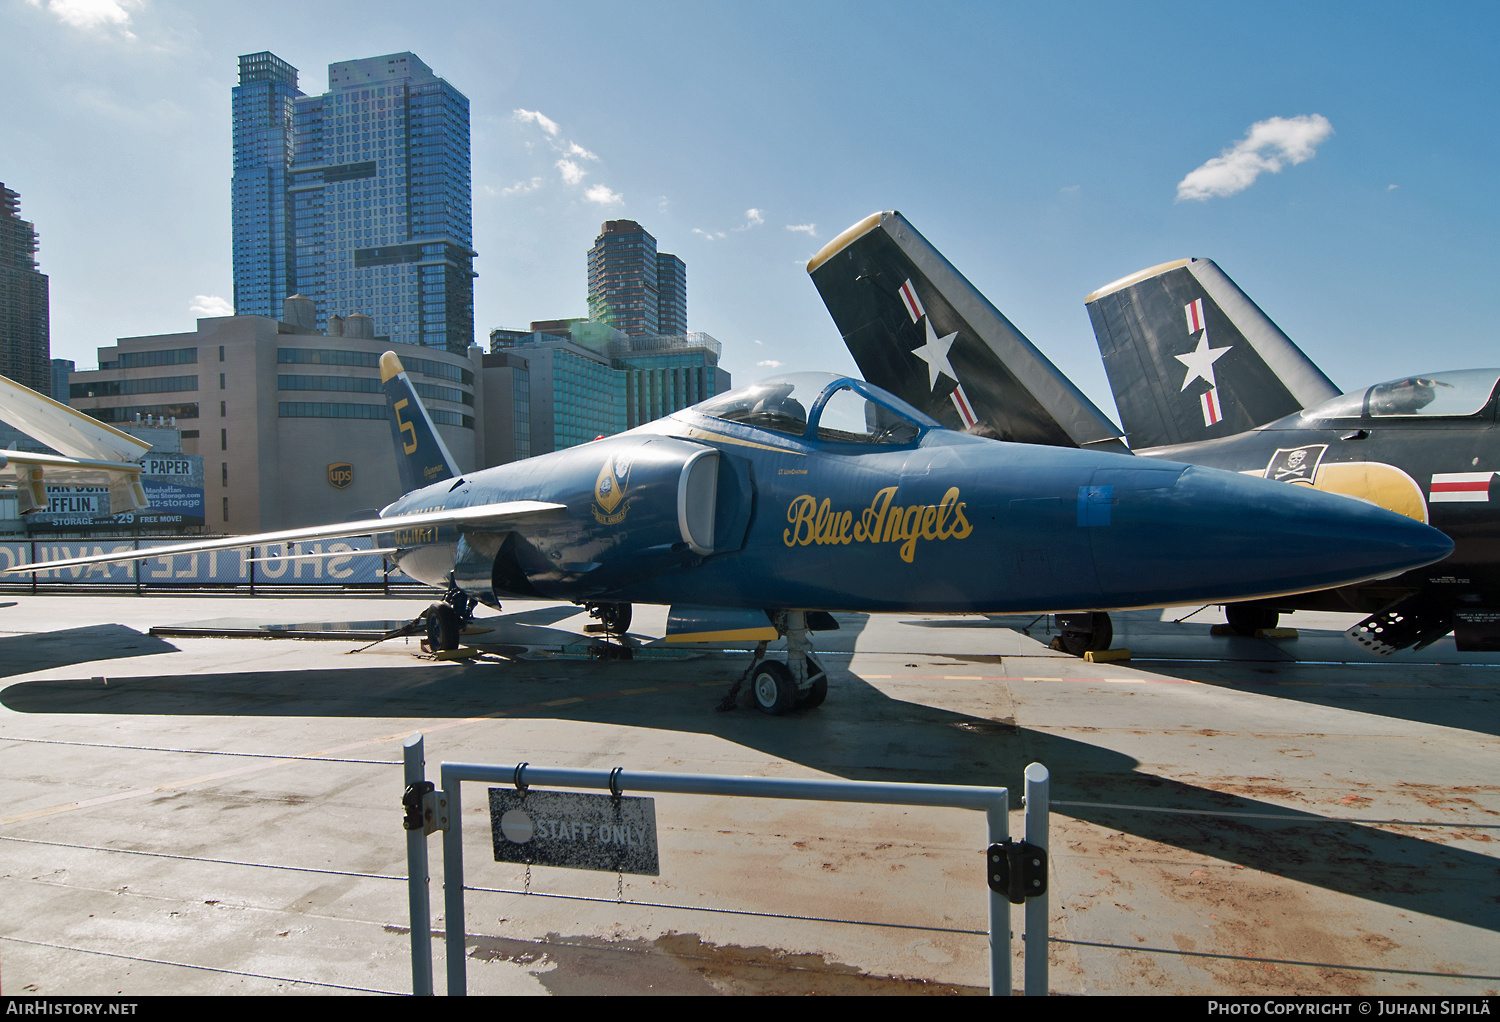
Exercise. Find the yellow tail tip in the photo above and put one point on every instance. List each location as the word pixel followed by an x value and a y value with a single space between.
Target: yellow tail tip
pixel 390 366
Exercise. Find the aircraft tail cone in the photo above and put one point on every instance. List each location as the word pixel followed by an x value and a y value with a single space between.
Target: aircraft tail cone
pixel 1241 537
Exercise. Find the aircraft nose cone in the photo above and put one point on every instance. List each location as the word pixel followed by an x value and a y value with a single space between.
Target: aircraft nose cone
pixel 1240 537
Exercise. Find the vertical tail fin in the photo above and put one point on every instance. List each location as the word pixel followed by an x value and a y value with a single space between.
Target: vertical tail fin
pixel 919 329
pixel 421 455
pixel 1190 357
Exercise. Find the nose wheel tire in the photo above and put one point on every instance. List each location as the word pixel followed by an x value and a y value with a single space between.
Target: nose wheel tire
pixel 773 688
pixel 815 694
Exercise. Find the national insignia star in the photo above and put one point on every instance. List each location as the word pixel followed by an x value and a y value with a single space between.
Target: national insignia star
pixel 1200 362
pixel 935 354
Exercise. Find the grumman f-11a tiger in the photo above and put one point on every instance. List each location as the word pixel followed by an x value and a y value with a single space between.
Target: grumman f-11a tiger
pixel 756 512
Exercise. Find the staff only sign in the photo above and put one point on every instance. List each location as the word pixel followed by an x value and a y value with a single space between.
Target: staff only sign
pixel 559 828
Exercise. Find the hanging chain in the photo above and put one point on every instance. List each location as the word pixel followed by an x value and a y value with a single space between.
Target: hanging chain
pixel 527 889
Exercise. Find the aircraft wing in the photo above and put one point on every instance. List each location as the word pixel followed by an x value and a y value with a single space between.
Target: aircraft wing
pixel 920 330
pixel 479 515
pixel 64 429
pixel 30 472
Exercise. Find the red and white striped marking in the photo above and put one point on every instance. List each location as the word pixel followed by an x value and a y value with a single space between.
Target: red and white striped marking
pixel 912 302
pixel 1453 487
pixel 1212 413
pixel 965 410
pixel 1194 316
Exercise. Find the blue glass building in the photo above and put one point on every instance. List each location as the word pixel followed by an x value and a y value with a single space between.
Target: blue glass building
pixel 377 194
pixel 264 250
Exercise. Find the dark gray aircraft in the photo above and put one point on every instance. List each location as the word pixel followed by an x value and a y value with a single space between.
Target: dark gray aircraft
pixel 1201 375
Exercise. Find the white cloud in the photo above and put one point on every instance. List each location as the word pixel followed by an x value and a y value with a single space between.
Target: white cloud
pixel 90 14
pixel 1267 146
pixel 519 188
pixel 771 363
pixel 209 306
pixel 538 118
pixel 572 173
pixel 811 230
pixel 1391 188
pixel 753 218
pixel 708 235
pixel 603 196
pixel 574 149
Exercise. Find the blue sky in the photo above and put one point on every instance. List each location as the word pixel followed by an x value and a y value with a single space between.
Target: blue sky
pixel 1041 147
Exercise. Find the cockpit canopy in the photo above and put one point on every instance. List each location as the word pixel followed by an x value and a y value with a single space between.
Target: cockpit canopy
pixel 1459 394
pixel 837 408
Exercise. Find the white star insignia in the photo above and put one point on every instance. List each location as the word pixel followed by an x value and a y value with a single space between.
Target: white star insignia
pixel 935 354
pixel 1200 362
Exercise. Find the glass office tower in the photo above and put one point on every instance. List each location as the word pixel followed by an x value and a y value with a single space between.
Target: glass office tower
pixel 264 268
pixel 379 192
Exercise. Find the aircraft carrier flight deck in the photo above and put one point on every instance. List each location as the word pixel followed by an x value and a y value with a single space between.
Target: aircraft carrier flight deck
pixel 194 806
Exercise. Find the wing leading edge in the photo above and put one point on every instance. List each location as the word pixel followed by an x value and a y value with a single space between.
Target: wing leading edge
pixel 479 516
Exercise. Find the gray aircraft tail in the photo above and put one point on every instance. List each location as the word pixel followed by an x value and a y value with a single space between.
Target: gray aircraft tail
pixel 421 456
pixel 1190 357
pixel 919 329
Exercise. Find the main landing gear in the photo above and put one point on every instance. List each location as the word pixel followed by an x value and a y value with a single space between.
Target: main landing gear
pixel 446 621
pixel 799 684
pixel 1083 633
pixel 1248 618
pixel 613 618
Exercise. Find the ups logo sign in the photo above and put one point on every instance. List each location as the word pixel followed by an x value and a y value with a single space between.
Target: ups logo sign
pixel 340 475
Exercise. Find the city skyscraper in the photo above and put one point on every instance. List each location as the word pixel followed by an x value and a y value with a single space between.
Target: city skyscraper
pixel 626 276
pixel 25 340
pixel 671 294
pixel 379 196
pixel 265 270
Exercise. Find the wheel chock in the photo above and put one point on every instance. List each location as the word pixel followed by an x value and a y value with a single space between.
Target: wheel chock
pixel 1105 656
pixel 461 653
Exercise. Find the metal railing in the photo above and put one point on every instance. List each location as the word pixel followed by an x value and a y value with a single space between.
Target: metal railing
pixel 442 810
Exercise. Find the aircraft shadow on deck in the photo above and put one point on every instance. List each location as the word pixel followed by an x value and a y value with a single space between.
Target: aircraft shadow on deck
pixel 43 651
pixel 861 734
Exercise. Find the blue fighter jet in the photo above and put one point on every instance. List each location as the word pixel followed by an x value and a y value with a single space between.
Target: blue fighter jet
pixel 765 507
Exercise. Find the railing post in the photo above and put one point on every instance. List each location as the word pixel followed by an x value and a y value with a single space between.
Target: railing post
pixel 414 761
pixel 453 888
pixel 998 817
pixel 1038 803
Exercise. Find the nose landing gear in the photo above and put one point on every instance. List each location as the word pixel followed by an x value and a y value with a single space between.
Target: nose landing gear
pixel 799 684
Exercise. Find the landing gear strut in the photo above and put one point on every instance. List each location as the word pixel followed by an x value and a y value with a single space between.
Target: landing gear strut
pixel 799 684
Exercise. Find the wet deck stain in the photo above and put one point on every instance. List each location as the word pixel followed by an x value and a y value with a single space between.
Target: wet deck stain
pixel 684 963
